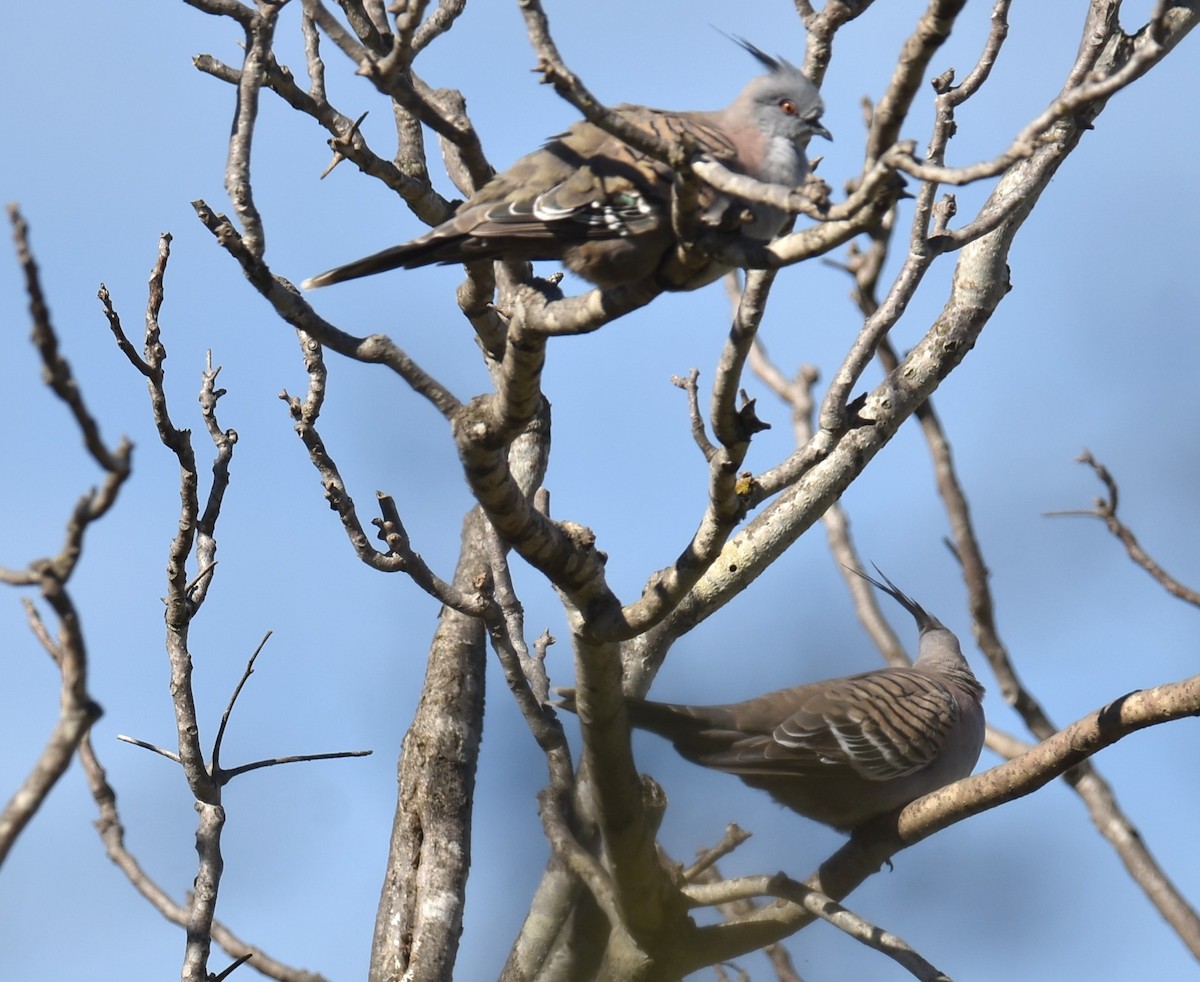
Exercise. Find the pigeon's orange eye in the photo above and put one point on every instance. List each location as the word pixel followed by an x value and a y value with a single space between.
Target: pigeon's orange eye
pixel 788 107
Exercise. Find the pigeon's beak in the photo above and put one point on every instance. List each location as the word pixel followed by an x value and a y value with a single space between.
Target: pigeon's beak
pixel 819 130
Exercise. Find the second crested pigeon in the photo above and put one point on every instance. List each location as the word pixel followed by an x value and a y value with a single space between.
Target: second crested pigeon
pixel 845 750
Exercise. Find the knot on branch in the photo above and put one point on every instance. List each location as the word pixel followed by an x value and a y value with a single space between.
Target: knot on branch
pixel 582 538
pixel 747 420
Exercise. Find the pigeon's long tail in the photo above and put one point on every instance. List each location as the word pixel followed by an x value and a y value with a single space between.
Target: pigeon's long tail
pixel 688 727
pixel 420 252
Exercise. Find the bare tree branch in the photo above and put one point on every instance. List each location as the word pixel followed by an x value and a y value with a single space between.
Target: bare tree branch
pixel 77 709
pixel 819 905
pixel 112 833
pixel 1106 510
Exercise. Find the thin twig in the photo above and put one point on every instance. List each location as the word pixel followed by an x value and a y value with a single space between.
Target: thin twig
pixel 171 755
pixel 1106 510
pixel 237 691
pixel 232 772
pixel 734 836
pixel 690 385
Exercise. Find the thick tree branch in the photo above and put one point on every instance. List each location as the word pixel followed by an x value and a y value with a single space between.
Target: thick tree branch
pixel 419 919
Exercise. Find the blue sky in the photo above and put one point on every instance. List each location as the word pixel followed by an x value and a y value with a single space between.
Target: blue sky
pixel 113 133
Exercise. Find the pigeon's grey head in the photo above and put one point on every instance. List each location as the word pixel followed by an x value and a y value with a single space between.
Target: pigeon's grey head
pixel 782 102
